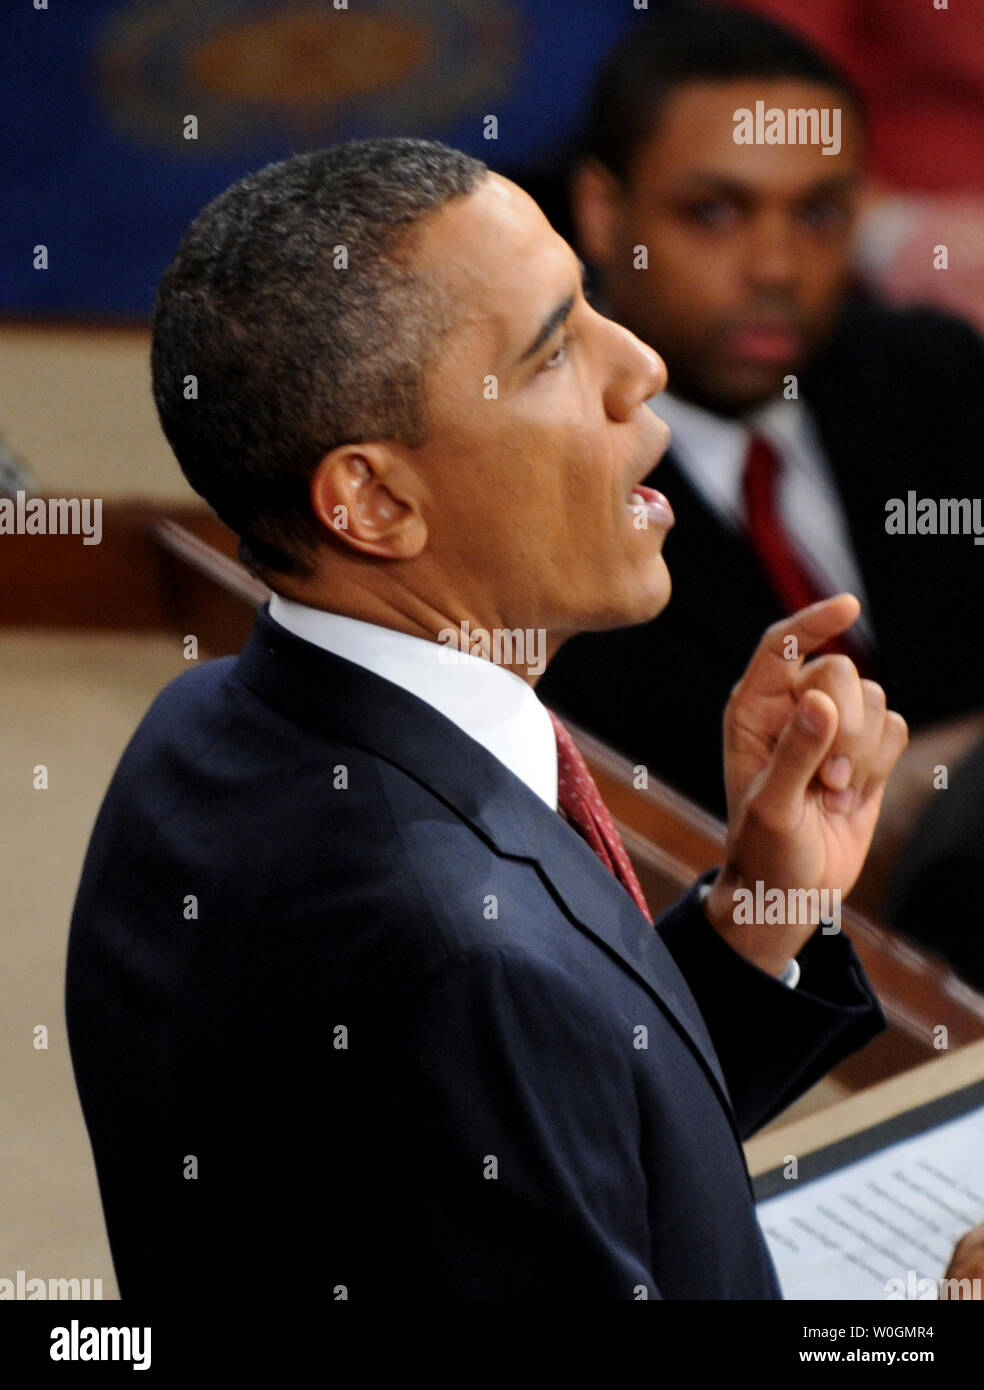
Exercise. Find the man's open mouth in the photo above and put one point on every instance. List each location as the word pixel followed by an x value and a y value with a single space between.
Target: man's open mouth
pixel 658 511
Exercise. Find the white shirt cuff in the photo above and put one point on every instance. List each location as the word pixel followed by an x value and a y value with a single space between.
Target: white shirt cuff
pixel 790 976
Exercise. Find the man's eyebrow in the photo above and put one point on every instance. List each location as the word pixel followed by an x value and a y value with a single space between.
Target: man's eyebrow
pixel 837 183
pixel 700 182
pixel 703 183
pixel 553 320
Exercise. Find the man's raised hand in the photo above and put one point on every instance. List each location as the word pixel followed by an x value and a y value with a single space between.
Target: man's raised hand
pixel 808 749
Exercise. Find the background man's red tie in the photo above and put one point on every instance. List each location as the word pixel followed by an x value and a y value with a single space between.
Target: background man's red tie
pixel 580 800
pixel 793 583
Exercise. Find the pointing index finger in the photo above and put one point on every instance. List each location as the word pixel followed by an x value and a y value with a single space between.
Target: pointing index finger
pixel 776 657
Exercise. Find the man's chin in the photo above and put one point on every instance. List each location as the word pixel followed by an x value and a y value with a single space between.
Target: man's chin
pixel 640 607
pixel 654 607
pixel 742 388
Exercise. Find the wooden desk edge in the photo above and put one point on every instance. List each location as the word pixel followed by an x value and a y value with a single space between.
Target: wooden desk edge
pixel 926 1082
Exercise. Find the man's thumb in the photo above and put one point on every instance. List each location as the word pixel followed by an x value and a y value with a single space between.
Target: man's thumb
pixel 802 747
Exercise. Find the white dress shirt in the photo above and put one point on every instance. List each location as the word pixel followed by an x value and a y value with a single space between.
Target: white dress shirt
pixel 711 449
pixel 494 706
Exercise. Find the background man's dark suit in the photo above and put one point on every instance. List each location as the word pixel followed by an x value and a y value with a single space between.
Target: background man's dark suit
pixel 477 1043
pixel 899 402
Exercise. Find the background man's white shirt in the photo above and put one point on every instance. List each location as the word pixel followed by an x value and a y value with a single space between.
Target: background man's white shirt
pixel 710 451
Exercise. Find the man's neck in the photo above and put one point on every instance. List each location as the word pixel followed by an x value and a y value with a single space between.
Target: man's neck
pixel 524 651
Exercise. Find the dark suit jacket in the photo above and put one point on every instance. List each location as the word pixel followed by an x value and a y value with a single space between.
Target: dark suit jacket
pixel 899 402
pixel 417 1039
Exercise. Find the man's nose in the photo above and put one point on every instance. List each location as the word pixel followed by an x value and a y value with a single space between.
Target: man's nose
pixel 772 258
pixel 638 373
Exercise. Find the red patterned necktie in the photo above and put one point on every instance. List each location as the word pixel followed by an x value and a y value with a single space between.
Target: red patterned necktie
pixel 580 800
pixel 792 582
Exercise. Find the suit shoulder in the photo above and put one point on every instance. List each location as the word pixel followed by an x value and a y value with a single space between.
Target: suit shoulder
pixel 193 688
pixel 878 333
pixel 915 371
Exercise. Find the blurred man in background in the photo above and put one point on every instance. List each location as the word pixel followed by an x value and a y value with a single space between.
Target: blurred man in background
pixel 920 69
pixel 798 409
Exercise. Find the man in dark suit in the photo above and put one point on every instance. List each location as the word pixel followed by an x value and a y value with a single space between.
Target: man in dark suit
pixel 362 992
pixel 797 411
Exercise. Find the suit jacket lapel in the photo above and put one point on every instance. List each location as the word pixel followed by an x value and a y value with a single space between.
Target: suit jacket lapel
pixel 864 457
pixel 342 700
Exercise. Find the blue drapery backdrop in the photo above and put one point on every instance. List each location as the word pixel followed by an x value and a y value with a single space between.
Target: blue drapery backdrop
pixel 96 97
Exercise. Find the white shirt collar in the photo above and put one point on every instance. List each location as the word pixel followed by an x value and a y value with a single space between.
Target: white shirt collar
pixel 493 705
pixel 710 451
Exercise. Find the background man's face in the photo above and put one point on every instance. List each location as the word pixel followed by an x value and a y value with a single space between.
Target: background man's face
pixel 538 428
pixel 748 245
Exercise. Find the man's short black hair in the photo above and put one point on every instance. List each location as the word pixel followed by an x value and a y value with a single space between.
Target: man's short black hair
pixel 690 43
pixel 292 306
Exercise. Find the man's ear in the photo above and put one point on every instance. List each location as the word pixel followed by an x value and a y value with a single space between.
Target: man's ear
pixel 370 497
pixel 596 200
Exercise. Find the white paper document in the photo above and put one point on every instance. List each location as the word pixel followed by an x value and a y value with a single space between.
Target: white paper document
pixel 884 1226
